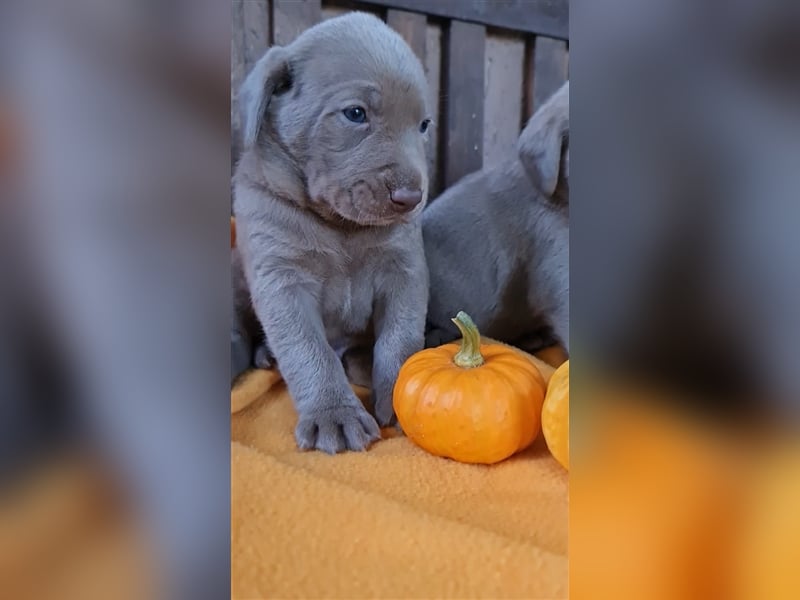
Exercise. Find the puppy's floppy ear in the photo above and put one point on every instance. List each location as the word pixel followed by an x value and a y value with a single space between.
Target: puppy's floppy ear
pixel 541 142
pixel 269 74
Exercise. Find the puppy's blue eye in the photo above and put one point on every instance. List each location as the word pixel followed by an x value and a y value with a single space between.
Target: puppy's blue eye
pixel 356 114
pixel 423 127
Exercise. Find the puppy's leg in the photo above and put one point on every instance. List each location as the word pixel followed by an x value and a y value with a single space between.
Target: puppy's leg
pixel 331 417
pixel 241 347
pixel 561 326
pixel 399 333
pixel 560 318
pixel 248 342
pixel 241 334
pixel 549 293
pixel 357 362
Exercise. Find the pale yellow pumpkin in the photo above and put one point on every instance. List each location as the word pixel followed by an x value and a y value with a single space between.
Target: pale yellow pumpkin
pixel 555 415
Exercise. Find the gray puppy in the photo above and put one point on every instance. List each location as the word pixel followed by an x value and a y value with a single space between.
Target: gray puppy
pixel 497 243
pixel 328 196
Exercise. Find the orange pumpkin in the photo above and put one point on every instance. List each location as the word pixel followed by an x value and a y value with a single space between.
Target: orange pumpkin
pixel 472 402
pixel 555 415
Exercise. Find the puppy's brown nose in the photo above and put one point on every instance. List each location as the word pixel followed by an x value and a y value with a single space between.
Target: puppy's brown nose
pixel 405 198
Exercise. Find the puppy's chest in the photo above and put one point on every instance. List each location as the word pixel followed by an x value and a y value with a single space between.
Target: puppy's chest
pixel 347 294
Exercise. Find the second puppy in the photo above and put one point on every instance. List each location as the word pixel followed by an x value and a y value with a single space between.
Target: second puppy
pixel 328 197
pixel 497 243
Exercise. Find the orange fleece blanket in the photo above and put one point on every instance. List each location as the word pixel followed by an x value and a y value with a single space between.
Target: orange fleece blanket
pixel 393 522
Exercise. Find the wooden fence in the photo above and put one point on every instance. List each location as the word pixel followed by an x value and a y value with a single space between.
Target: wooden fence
pixel 489 64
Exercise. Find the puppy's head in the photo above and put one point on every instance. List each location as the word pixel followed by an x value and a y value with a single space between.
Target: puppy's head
pixel 346 103
pixel 544 145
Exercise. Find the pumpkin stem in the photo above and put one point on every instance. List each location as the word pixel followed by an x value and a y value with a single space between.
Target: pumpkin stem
pixel 469 355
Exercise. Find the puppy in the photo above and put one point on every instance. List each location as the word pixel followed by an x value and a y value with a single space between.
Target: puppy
pixel 497 243
pixel 247 344
pixel 329 194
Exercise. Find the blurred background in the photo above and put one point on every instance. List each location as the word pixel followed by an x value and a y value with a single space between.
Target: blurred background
pixel 114 419
pixel 684 296
pixel 115 157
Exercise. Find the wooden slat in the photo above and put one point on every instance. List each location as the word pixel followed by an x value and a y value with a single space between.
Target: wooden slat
pixel 505 55
pixel 329 11
pixel 293 17
pixel 433 71
pixel 237 43
pixel 547 66
pixel 464 99
pixel 334 8
pixel 255 17
pixel 540 17
pixel 237 74
pixel 412 26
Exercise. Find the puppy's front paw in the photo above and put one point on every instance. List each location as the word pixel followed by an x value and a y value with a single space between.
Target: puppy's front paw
pixel 337 429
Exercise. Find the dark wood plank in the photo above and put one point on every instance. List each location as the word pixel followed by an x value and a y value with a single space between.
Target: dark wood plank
pixel 255 17
pixel 290 18
pixel 412 26
pixel 540 17
pixel 433 71
pixel 547 71
pixel 465 54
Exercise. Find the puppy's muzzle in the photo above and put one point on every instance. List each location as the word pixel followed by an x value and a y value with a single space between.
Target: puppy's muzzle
pixel 405 199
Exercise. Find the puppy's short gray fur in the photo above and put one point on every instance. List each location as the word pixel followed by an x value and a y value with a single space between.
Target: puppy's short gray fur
pixel 497 243
pixel 330 260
